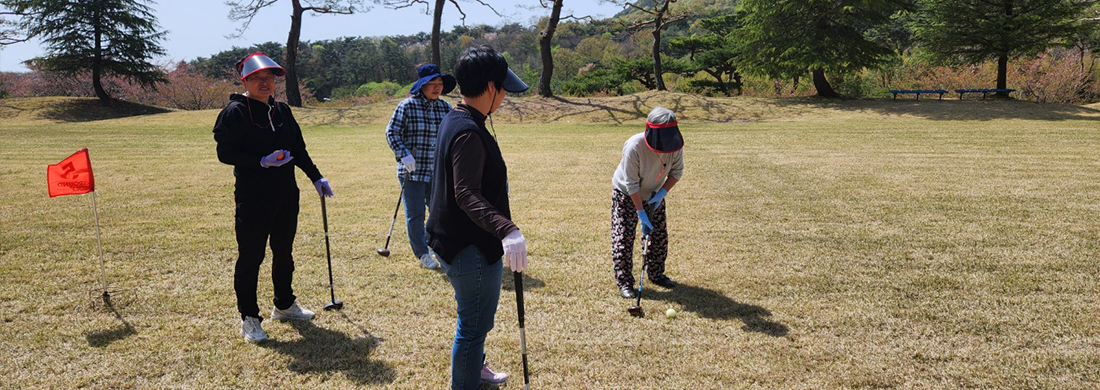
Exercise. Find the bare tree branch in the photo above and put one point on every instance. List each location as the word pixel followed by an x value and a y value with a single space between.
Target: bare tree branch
pixel 239 11
pixel 391 4
pixel 588 18
pixel 399 4
pixel 10 33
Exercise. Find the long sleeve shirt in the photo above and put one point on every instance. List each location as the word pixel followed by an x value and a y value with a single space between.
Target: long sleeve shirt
pixel 469 202
pixel 645 171
pixel 413 129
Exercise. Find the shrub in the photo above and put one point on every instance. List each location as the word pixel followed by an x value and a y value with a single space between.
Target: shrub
pixel 597 82
pixel 385 88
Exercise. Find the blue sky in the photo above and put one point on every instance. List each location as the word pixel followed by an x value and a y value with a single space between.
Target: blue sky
pixel 198 28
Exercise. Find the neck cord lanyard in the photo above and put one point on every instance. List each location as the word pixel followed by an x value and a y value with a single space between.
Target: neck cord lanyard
pixel 664 165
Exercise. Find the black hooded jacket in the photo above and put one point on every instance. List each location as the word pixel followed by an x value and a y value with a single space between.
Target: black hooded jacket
pixel 247 130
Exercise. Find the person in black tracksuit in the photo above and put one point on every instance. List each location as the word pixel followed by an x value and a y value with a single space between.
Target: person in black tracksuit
pixel 259 137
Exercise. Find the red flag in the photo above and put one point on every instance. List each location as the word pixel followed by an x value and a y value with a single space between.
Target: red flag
pixel 71 176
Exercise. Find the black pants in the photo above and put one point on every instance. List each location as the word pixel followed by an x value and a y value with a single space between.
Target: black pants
pixel 273 215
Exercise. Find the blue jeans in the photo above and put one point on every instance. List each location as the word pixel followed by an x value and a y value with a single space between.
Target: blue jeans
pixel 415 198
pixel 477 292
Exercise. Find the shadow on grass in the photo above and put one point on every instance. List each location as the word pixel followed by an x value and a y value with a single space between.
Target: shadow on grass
pixel 712 304
pixel 949 110
pixel 700 108
pixel 86 110
pixel 103 338
pixel 323 350
pixel 508 282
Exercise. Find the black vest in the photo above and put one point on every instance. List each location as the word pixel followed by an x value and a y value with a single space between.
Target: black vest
pixel 449 228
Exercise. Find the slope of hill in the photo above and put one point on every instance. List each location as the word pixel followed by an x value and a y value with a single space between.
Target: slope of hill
pixel 609 110
pixel 70 109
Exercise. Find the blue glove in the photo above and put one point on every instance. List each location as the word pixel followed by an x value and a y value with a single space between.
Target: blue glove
pixel 276 159
pixel 647 227
pixel 656 199
pixel 322 187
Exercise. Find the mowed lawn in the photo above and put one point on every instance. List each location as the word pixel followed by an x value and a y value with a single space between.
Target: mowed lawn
pixel 853 245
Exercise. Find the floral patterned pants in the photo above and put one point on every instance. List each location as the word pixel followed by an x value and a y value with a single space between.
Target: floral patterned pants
pixel 624 221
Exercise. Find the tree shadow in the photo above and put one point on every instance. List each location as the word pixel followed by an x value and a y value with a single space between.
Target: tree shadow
pixel 712 304
pixel 103 338
pixel 946 110
pixel 323 350
pixel 631 107
pixel 690 107
pixel 87 110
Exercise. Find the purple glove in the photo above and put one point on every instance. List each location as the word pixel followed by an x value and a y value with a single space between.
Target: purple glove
pixel 323 188
pixel 276 159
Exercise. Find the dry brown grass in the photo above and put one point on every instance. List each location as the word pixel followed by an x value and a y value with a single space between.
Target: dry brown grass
pixel 821 244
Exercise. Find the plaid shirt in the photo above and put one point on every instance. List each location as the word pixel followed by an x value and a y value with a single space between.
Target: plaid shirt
pixel 413 129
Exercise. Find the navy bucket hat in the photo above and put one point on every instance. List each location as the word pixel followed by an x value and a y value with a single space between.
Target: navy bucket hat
pixel 426 73
pixel 258 61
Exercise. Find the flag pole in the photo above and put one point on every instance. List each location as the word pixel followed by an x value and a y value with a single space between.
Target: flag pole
pixel 102 267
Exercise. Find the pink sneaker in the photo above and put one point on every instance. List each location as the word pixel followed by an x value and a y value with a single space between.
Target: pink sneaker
pixel 490 377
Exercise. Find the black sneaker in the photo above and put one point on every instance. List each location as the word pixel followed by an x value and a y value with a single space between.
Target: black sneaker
pixel 663 281
pixel 628 292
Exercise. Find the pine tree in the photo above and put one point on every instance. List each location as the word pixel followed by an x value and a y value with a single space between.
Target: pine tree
pixel 104 37
pixel 785 39
pixel 973 31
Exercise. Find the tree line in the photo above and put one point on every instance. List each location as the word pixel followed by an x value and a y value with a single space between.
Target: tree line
pixel 716 47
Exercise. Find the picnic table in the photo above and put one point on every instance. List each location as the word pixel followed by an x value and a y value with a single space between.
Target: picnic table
pixel 984 91
pixel 918 92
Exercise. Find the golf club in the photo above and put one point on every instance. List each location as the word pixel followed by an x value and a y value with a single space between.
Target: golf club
pixel 385 250
pixel 334 304
pixel 522 335
pixel 636 310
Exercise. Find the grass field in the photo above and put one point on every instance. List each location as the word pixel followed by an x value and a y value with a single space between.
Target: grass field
pixel 819 245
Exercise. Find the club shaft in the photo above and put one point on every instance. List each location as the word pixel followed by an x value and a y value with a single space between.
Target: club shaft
pixel 328 252
pixel 645 252
pixel 522 334
pixel 395 209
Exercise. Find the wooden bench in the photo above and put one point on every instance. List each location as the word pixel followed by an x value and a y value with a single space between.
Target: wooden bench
pixel 984 91
pixel 918 92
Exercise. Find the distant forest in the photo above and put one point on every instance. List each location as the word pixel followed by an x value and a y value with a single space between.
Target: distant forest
pixel 1045 50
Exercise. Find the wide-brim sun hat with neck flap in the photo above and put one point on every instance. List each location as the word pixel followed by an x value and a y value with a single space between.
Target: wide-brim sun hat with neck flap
pixel 256 62
pixel 428 72
pixel 662 134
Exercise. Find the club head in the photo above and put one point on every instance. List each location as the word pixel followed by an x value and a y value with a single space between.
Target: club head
pixel 384 252
pixel 636 311
pixel 335 305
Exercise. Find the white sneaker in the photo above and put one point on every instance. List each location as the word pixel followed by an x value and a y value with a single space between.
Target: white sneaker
pixel 428 262
pixel 252 331
pixel 292 313
pixel 490 377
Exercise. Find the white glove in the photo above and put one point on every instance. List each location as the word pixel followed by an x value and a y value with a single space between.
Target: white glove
pixel 410 163
pixel 515 251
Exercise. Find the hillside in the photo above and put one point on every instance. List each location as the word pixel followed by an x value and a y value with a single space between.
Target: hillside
pixel 70 109
pixel 609 110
